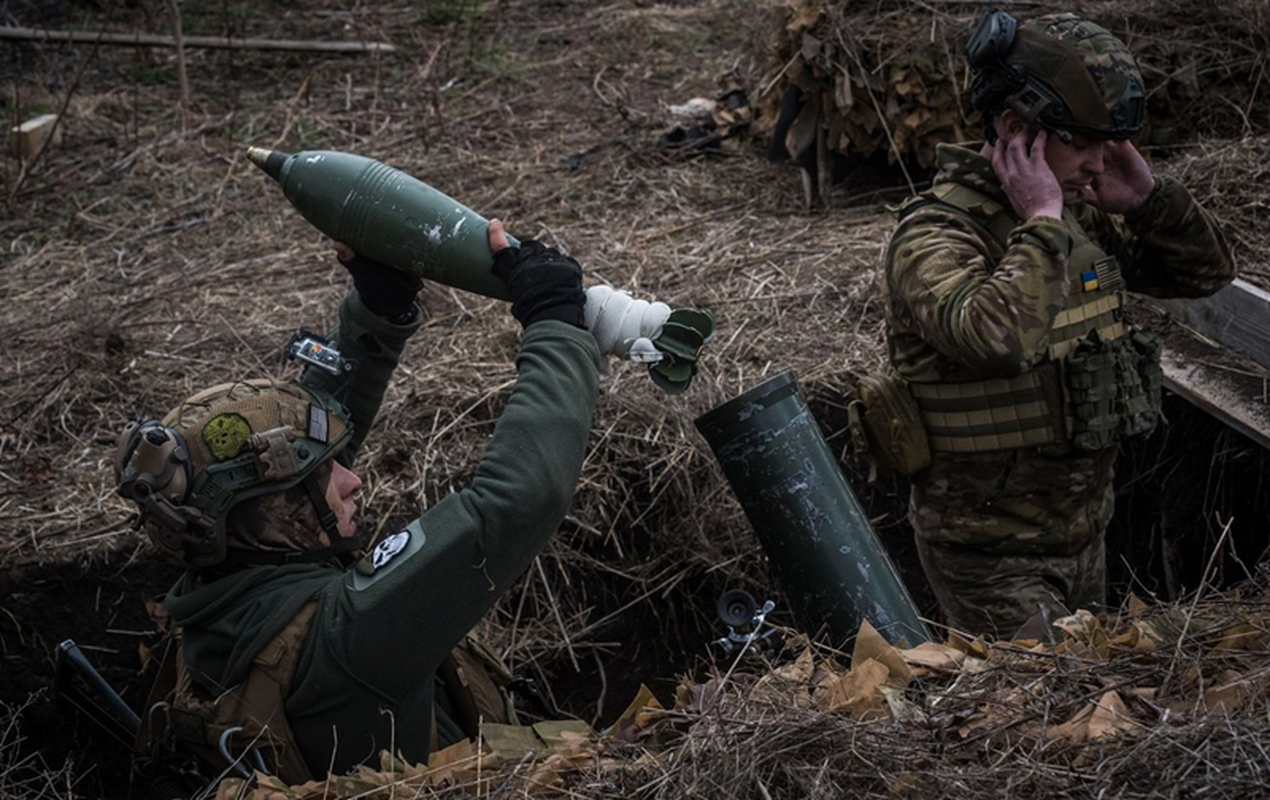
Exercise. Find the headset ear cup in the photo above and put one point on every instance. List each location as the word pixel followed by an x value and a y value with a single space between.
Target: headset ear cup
pixel 991 40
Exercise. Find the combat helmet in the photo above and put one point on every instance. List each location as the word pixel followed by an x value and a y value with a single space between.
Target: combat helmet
pixel 1059 71
pixel 224 446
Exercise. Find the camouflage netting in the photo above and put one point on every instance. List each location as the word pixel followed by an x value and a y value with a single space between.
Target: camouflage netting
pixel 890 76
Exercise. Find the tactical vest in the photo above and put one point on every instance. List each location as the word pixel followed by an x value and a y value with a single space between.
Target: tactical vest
pixel 254 715
pixel 1101 380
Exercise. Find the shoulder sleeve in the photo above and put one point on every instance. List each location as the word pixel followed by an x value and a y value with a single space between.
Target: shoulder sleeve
pixel 375 345
pixel 414 599
pixel 1171 247
pixel 988 313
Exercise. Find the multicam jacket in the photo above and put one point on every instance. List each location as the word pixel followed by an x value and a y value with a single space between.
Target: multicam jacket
pixel 964 304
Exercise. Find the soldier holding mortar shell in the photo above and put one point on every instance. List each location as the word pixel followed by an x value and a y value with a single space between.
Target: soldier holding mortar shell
pixel 289 649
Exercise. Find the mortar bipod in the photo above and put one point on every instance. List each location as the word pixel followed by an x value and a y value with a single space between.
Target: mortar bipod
pixel 235 764
pixel 738 610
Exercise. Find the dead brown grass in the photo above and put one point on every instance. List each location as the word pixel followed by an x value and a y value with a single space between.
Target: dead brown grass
pixel 143 262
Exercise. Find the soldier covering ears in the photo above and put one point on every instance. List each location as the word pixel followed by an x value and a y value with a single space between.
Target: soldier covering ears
pixel 1005 317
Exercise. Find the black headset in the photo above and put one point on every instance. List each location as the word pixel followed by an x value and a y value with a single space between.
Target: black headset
pixel 989 44
pixel 1031 97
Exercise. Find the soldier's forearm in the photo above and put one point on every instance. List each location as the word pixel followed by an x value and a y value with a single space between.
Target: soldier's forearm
pixel 530 470
pixel 375 345
pixel 1177 248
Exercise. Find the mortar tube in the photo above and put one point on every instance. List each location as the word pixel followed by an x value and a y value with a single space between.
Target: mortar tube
pixel 827 557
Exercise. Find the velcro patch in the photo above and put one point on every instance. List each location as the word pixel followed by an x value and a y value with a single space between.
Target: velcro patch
pixel 226 435
pixel 319 424
pixel 1107 272
pixel 389 548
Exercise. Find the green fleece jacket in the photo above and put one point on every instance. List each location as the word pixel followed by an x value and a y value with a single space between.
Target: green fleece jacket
pixel 365 681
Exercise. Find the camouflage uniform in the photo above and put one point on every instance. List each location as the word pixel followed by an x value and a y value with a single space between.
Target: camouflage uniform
pixel 1001 533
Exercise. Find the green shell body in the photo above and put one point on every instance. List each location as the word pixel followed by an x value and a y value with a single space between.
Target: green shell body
pixel 393 218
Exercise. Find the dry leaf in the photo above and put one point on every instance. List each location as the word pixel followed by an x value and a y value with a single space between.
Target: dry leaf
pixel 859 692
pixel 977 648
pixel 799 671
pixel 1111 718
pixel 448 764
pixel 1234 692
pixel 1105 718
pixel 158 613
pixel 1243 637
pixel 643 699
pixel 869 644
pixel 935 656
pixel 1139 637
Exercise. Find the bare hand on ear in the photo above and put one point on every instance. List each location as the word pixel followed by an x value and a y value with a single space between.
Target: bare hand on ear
pixel 1026 177
pixel 1125 185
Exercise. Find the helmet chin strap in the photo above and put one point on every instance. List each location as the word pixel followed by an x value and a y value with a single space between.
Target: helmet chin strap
pixel 317 496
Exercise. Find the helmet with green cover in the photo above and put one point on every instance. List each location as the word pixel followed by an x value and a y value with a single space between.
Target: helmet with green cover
pixel 1059 71
pixel 224 446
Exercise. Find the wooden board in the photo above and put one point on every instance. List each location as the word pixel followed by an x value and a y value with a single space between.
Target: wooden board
pixel 1237 317
pixel 1237 396
pixel 26 139
pixel 218 42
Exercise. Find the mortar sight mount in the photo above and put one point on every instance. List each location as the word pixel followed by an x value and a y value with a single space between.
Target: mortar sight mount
pixel 738 610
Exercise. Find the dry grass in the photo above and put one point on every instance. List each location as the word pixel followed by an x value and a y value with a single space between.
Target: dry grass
pixel 1169 701
pixel 144 262
pixel 25 775
pixel 1003 729
pixel 1228 177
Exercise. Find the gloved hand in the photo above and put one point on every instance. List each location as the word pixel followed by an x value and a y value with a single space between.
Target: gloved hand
pixel 545 283
pixel 387 292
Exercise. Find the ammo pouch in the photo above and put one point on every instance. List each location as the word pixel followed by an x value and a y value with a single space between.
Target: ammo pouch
pixel 242 729
pixel 1113 389
pixel 886 426
pixel 1102 391
pixel 476 682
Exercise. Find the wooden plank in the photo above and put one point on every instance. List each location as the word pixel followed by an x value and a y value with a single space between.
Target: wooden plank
pixel 1238 317
pixel 214 42
pixel 1237 398
pixel 26 139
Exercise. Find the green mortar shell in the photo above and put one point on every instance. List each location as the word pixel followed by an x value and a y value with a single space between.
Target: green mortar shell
pixel 388 216
pixel 826 555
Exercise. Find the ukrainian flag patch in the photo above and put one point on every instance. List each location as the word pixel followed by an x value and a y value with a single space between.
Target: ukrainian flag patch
pixel 1089 280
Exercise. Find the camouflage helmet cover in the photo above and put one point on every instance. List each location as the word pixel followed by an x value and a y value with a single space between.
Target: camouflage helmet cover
pixel 220 447
pixel 1073 75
